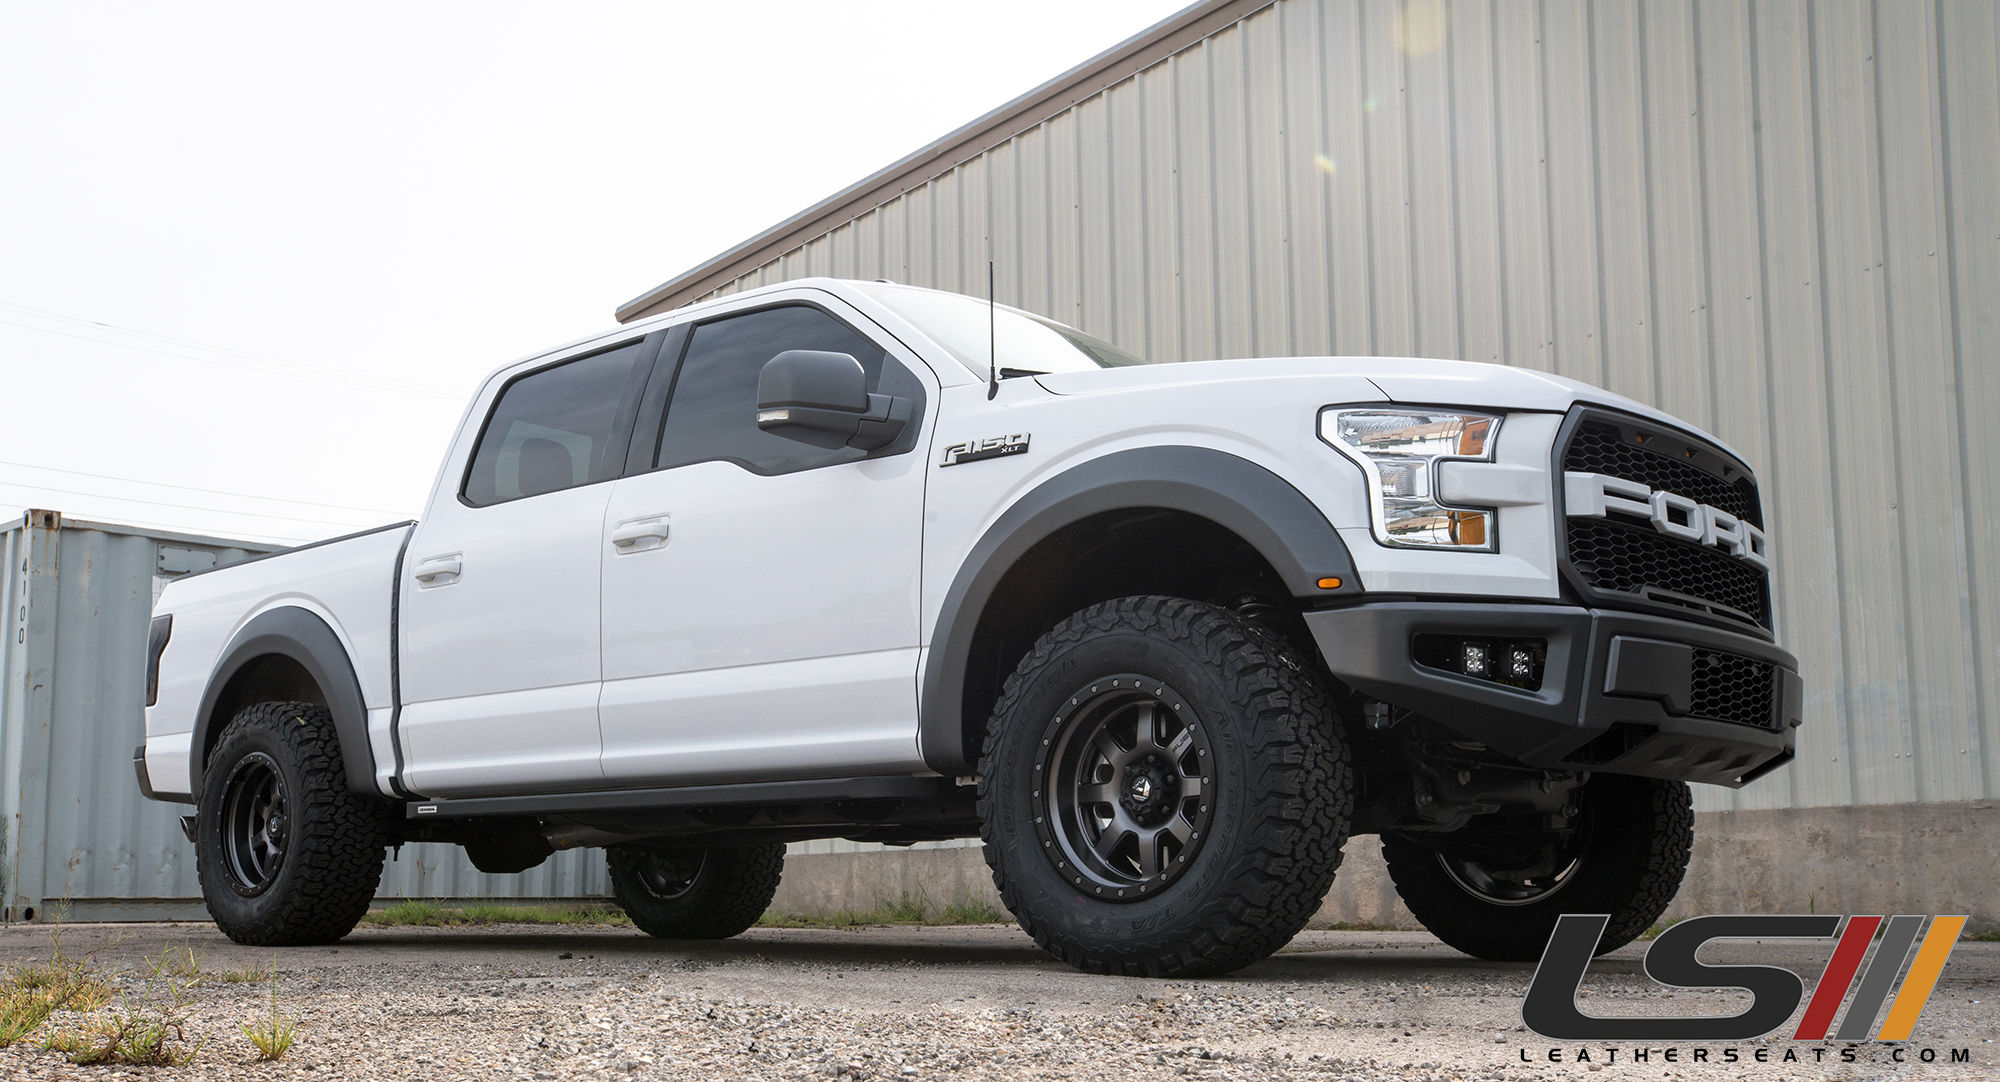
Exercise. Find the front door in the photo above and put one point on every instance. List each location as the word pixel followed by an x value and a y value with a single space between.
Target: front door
pixel 761 607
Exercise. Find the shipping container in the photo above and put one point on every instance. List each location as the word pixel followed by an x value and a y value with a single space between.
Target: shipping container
pixel 79 838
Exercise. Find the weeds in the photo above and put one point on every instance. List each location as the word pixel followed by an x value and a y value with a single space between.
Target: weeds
pixel 1653 933
pixel 251 974
pixel 182 962
pixel 428 914
pixel 21 1012
pixel 904 910
pixel 273 1036
pixel 29 995
pixel 148 1029
pixel 1990 935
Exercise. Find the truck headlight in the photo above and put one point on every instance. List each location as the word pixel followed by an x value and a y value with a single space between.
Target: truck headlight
pixel 1399 450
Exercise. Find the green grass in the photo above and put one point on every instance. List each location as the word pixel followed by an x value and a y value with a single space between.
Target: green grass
pixel 1991 935
pixel 251 974
pixel 30 994
pixel 1653 933
pixel 145 1029
pixel 905 910
pixel 416 913
pixel 1358 926
pixel 272 1037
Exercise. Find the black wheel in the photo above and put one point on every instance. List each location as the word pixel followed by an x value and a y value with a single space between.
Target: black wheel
pixel 1625 857
pixel 286 853
pixel 1163 792
pixel 695 893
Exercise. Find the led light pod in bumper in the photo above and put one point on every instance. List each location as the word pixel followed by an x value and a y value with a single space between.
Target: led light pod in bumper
pixel 1399 450
pixel 1514 663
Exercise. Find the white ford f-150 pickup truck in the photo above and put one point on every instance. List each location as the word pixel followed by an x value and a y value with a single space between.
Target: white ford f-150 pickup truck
pixel 861 560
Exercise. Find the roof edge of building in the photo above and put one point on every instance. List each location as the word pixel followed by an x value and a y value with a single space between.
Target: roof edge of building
pixel 1093 76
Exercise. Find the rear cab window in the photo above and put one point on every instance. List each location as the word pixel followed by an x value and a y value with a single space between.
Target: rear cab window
pixel 558 427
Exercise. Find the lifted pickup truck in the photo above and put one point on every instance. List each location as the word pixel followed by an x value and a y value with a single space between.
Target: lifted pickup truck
pixel 812 561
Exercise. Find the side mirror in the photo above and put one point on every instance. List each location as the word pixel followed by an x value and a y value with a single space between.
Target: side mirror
pixel 822 399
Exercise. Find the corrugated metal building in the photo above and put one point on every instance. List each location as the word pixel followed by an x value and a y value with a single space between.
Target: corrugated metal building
pixel 77 597
pixel 1777 219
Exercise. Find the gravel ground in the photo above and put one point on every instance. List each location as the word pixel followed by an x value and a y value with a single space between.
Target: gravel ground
pixel 526 1002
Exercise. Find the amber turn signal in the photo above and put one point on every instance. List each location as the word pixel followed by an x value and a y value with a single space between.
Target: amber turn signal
pixel 1329 584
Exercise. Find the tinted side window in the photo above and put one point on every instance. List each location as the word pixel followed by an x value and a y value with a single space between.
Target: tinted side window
pixel 713 413
pixel 554 429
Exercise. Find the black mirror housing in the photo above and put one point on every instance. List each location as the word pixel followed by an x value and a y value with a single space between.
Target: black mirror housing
pixel 822 398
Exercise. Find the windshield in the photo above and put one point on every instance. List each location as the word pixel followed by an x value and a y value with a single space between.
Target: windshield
pixel 1028 345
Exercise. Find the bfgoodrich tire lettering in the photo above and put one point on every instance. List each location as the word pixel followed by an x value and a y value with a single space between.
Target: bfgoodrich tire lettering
pixel 1632 850
pixel 287 854
pixel 1277 789
pixel 695 893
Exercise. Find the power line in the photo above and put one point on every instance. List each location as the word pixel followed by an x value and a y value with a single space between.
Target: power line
pixel 179 506
pixel 288 539
pixel 300 366
pixel 204 491
pixel 220 355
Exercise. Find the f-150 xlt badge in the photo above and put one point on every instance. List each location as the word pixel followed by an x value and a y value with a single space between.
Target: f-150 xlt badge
pixel 1594 495
pixel 990 447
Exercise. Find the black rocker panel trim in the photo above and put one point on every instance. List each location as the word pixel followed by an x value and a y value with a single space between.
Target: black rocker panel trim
pixel 1291 534
pixel 305 639
pixel 747 794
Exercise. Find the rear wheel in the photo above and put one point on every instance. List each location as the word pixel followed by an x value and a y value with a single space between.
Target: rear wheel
pixel 286 853
pixel 1163 792
pixel 1625 857
pixel 695 893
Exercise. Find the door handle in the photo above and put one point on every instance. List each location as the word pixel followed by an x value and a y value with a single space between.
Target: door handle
pixel 438 571
pixel 640 534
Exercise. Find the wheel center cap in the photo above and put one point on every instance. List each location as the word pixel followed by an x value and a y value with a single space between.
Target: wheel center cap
pixel 1142 788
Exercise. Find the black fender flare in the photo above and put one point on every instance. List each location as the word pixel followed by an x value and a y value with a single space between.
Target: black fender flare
pixel 1262 508
pixel 304 638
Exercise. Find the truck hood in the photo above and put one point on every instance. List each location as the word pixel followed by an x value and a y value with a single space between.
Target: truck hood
pixel 1415 380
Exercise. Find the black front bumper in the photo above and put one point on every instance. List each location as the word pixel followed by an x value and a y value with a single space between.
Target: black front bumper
pixel 1617 691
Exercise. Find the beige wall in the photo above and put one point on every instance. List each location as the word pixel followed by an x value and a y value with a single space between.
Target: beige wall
pixel 1779 220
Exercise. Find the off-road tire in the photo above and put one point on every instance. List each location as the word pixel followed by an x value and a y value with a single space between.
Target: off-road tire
pixel 334 839
pixel 730 890
pixel 1282 790
pixel 1637 835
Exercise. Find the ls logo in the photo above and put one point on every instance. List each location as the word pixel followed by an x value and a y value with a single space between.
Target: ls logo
pixel 1550 1009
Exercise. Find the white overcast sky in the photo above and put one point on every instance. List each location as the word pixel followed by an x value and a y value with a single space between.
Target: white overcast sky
pixel 254 258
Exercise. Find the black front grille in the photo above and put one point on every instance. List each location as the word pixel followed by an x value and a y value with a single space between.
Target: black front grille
pixel 1599 447
pixel 1635 560
pixel 1733 688
pixel 1642 566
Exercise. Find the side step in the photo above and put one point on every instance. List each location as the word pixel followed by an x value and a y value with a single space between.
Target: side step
pixel 750 794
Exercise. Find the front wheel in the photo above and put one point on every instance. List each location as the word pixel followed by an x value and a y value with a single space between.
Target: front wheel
pixel 1163 791
pixel 695 893
pixel 1625 857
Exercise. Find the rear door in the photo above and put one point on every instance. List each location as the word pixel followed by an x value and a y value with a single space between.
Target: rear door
pixel 499 614
pixel 761 607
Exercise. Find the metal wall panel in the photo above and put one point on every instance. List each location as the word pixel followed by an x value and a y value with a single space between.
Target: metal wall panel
pixel 78 597
pixel 1775 219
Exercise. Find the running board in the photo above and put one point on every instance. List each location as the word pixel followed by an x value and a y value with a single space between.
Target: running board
pixel 818 791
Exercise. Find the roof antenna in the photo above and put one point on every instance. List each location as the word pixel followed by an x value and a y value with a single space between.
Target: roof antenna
pixel 992 338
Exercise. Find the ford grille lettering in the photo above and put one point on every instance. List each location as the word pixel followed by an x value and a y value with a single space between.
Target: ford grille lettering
pixel 1595 495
